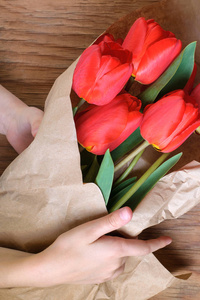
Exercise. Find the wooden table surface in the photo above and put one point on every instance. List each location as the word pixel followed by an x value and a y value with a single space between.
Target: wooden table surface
pixel 38 41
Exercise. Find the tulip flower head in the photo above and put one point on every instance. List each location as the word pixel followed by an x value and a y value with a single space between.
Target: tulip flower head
pixel 105 127
pixel 171 120
pixel 153 49
pixel 101 72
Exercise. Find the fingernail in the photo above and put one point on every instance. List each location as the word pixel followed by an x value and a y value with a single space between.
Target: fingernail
pixel 34 132
pixel 169 240
pixel 124 214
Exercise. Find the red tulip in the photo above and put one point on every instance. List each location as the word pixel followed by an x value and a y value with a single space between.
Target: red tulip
pixel 153 49
pixel 101 72
pixel 170 121
pixel 105 127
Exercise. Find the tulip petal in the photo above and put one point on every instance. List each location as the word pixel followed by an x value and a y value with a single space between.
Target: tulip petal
pixel 136 36
pixel 86 70
pixel 109 85
pixel 180 139
pixel 196 94
pixel 161 119
pixel 100 123
pixel 156 59
pixel 189 86
pixel 107 63
pixel 154 34
pixel 133 122
pixel 190 116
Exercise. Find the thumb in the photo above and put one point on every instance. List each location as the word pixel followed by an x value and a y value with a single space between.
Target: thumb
pixel 109 223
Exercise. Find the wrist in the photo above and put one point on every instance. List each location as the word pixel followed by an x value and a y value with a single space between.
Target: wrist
pixel 14 268
pixel 21 269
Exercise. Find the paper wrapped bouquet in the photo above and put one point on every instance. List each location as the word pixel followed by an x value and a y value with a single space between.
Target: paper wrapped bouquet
pixel 42 193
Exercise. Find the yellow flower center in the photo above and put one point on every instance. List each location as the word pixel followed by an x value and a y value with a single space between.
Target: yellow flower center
pixel 156 147
pixel 89 148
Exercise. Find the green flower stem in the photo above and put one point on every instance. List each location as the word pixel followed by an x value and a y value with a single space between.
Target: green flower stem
pixel 129 169
pixel 140 181
pixel 131 155
pixel 75 109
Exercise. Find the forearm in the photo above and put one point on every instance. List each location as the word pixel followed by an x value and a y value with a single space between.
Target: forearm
pixel 16 269
pixel 9 105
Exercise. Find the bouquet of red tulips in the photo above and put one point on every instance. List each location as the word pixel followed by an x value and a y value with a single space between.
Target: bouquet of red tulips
pixel 139 92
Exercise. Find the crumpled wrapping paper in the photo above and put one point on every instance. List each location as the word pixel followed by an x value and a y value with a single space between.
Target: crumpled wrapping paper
pixel 42 194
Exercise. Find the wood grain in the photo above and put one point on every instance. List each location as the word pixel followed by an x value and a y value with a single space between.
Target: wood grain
pixel 38 41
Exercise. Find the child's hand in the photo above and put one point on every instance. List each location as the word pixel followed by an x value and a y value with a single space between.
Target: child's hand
pixel 18 121
pixel 82 255
pixel 86 255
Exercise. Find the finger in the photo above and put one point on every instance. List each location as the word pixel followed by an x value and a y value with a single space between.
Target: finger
pixel 35 118
pixel 97 228
pixel 34 127
pixel 140 247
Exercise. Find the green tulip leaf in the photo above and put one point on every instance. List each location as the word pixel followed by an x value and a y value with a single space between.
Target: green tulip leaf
pixel 183 72
pixel 120 190
pixel 104 178
pixel 118 195
pixel 137 197
pixel 175 77
pixel 92 172
pixel 132 141
pixel 122 185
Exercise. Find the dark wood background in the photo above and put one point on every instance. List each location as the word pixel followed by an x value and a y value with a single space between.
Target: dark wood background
pixel 38 41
